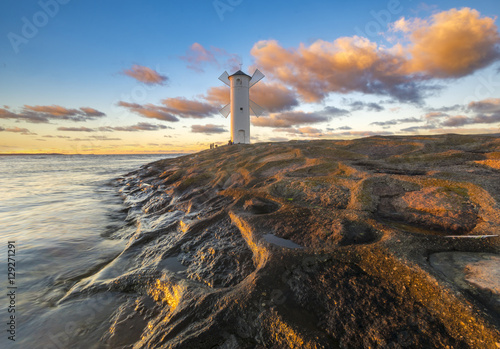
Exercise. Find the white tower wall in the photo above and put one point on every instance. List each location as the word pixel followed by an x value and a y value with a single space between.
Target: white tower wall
pixel 240 108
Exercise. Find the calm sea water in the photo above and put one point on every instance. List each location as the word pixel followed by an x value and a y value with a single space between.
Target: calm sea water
pixel 64 215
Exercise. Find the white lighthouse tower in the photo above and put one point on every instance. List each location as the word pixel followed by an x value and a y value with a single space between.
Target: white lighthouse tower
pixel 240 103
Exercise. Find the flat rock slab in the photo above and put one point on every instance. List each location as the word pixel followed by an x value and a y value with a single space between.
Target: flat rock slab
pixel 478 273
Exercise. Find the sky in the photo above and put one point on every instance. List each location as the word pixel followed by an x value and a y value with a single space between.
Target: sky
pixel 117 77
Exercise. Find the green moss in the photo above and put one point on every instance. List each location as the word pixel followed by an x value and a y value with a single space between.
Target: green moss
pixel 316 170
pixel 277 165
pixel 288 190
pixel 174 177
pixel 457 190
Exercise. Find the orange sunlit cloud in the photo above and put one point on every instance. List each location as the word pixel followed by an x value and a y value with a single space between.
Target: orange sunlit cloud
pixel 306 131
pixel 289 119
pixel 145 75
pixel 186 108
pixel 198 56
pixel 490 105
pixel 149 111
pixel 172 109
pixel 451 44
pixel 273 96
pixel 45 113
pixel 208 129
pixel 23 131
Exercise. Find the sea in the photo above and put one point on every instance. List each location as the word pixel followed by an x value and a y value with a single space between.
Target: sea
pixel 61 219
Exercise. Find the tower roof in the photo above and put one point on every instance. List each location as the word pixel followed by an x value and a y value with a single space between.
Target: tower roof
pixel 239 72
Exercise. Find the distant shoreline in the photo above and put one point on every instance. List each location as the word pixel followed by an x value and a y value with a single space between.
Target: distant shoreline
pixel 31 154
pixel 14 154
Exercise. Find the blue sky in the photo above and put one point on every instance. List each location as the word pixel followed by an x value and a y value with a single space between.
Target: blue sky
pixel 74 54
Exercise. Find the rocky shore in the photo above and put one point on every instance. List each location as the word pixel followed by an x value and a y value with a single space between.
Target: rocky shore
pixel 381 242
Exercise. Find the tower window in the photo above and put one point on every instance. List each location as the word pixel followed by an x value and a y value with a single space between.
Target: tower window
pixel 241 108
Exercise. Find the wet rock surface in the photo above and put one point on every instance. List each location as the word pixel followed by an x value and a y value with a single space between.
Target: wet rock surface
pixel 381 242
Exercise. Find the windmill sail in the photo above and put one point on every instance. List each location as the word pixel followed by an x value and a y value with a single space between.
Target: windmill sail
pixel 225 78
pixel 256 77
pixel 256 109
pixel 226 110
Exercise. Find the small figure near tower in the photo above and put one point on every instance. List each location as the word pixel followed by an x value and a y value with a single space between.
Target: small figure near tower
pixel 240 103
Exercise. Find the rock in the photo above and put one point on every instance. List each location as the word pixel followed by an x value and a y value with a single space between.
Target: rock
pixel 478 273
pixel 437 208
pixel 320 244
pixel 260 206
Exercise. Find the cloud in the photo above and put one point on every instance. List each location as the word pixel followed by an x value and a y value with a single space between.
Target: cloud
pixel 273 97
pixel 92 112
pixel 76 129
pixel 208 129
pixel 141 126
pixel 482 112
pixel 339 128
pixel 448 45
pixel 446 109
pixel 23 131
pixel 359 105
pixel 395 121
pixel 334 112
pixel 407 120
pixel 218 96
pixel 454 121
pixel 105 138
pixel 293 118
pixel 367 133
pixel 149 111
pixel 486 119
pixel 79 139
pixel 359 133
pixel 435 115
pixel 418 128
pixel 198 57
pixel 453 43
pixel 51 136
pixel 172 109
pixel 186 108
pixel 145 75
pixel 491 105
pixel 44 114
pixel 486 111
pixel 289 119
pixel 343 66
pixel 385 123
pixel 302 131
